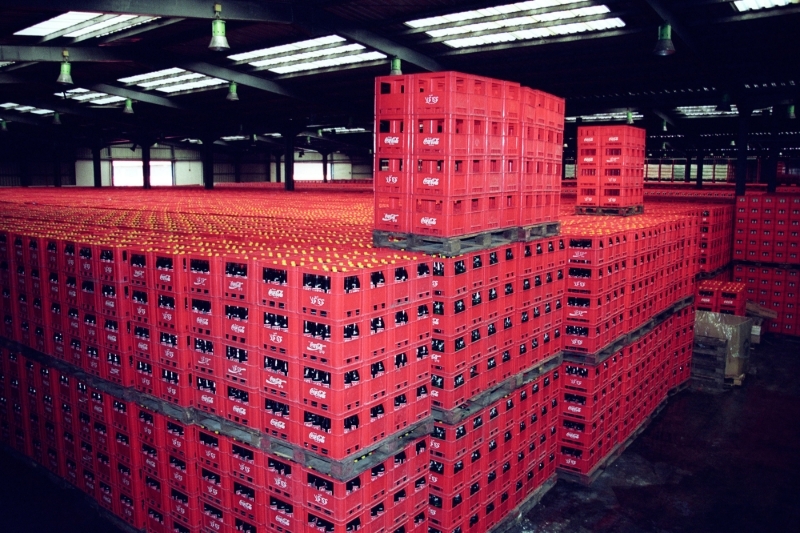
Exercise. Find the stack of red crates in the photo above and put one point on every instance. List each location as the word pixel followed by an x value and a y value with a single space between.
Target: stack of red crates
pixel 775 288
pixel 724 297
pixel 767 228
pixel 715 237
pixel 610 167
pixel 457 154
pixel 165 475
pixel 603 404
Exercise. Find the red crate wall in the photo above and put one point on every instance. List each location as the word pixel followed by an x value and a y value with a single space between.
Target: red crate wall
pixel 767 228
pixel 776 289
pixel 610 166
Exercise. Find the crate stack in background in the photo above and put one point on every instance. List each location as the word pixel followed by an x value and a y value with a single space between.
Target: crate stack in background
pixel 766 255
pixel 457 154
pixel 726 297
pixel 275 381
pixel 610 167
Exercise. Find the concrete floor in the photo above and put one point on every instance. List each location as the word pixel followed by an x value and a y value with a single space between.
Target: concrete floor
pixel 709 463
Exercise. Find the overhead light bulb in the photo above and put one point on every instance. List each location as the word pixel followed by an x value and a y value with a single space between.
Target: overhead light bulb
pixel 65 77
pixel 128 110
pixel 663 125
pixel 232 94
pixel 56 120
pixel 395 69
pixel 629 117
pixel 3 126
pixel 219 43
pixel 790 112
pixel 664 46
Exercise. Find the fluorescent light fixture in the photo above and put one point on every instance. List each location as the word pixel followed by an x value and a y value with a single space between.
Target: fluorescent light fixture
pixel 342 129
pixel 236 138
pixel 173 80
pixel 487 12
pixel 288 48
pixel 606 117
pixel 329 51
pixel 519 21
pixel 200 84
pixel 753 5
pixel 25 109
pixel 705 111
pixel 5 63
pixel 100 25
pixel 151 75
pixel 495 19
pixel 330 62
pixel 308 55
pixel 275 135
pixel 90 97
pixel 193 141
pixel 537 33
pixel 59 23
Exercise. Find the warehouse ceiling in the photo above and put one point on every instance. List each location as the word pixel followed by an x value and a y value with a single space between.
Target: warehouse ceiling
pixel 306 67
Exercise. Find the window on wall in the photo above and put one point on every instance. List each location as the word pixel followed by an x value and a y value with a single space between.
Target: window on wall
pixel 129 173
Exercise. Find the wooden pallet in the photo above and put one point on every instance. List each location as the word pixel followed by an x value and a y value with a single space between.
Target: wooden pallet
pixel 610 211
pixel 462 244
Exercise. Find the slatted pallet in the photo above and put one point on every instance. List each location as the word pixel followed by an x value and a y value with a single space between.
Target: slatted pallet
pixel 610 211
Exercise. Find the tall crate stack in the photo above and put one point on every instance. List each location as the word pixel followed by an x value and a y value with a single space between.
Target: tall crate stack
pixel 628 316
pixel 458 159
pixel 766 255
pixel 610 166
pixel 457 154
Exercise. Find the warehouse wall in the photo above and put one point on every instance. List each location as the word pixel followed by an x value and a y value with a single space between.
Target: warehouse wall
pixel 187 167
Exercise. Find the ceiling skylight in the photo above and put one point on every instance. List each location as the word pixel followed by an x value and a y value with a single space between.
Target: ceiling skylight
pixel 753 5
pixel 173 80
pixel 83 25
pixel 491 26
pixel 59 23
pixel 26 109
pixel 323 52
pixel 5 63
pixel 705 111
pixel 606 117
pixel 90 97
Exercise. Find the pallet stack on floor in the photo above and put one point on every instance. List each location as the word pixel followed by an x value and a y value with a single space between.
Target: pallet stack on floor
pixel 241 384
pixel 451 147
pixel 628 325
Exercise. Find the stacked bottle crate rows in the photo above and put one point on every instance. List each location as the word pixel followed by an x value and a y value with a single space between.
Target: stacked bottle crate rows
pixel 767 228
pixel 457 154
pixel 496 313
pixel 610 166
pixel 604 404
pixel 621 272
pixel 164 475
pixel 726 297
pixel 316 355
pixel 487 460
pixel 766 250
pixel 776 288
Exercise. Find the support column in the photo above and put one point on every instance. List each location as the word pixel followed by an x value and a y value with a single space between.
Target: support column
pixel 741 149
pixel 324 167
pixel 96 166
pixel 237 167
pixel 269 166
pixel 771 169
pixel 288 165
pixel 24 170
pixel 56 167
pixel 146 164
pixel 687 176
pixel 700 160
pixel 208 163
pixel 278 166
